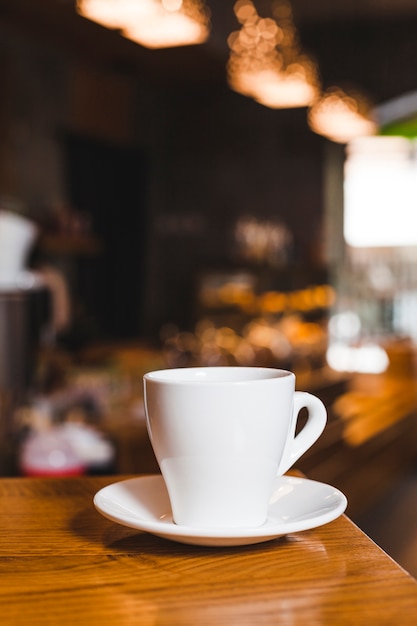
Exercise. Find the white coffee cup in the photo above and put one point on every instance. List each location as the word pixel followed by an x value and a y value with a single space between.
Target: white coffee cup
pixel 221 435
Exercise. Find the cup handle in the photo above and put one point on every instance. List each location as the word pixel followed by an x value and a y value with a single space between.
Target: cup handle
pixel 311 431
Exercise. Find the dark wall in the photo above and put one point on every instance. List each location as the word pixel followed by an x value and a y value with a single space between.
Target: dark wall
pixel 111 181
pixel 226 157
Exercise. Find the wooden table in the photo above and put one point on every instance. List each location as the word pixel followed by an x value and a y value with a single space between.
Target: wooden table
pixel 63 563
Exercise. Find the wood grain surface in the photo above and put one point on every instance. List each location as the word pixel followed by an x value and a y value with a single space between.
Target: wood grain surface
pixel 62 563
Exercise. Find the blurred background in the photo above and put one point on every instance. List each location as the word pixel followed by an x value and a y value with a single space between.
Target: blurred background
pixel 234 184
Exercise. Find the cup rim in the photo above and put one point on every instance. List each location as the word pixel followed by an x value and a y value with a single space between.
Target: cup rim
pixel 233 374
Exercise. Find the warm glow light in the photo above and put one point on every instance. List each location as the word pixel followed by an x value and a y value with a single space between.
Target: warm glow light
pixel 265 60
pixel 151 23
pixel 275 90
pixel 380 193
pixel 284 92
pixel 166 30
pixel 172 5
pixel 114 13
pixel 341 117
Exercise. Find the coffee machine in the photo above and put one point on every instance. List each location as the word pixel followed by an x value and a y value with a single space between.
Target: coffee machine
pixel 24 312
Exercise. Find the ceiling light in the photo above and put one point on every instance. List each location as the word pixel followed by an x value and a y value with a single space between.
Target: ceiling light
pixel 341 117
pixel 151 23
pixel 266 62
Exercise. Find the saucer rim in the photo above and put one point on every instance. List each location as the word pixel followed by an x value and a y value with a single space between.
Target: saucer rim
pixel 167 529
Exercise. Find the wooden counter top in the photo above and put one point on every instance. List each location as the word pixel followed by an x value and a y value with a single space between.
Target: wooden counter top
pixel 62 563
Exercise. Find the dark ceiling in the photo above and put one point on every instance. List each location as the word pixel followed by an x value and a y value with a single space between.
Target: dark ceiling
pixel 370 44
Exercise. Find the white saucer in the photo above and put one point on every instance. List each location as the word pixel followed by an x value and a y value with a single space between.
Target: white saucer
pixel 296 504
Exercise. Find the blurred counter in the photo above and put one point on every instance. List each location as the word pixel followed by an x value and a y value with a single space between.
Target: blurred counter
pixel 370 442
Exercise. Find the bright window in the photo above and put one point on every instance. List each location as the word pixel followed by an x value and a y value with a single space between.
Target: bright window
pixel 380 192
